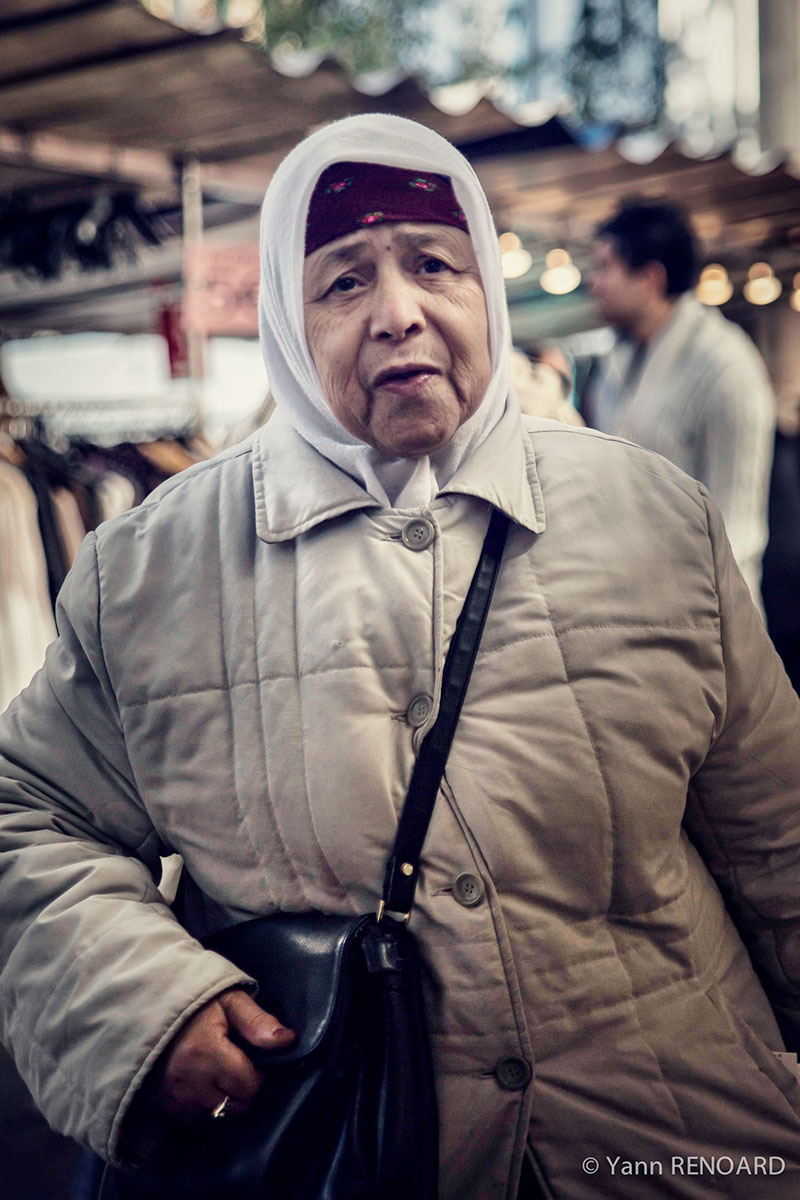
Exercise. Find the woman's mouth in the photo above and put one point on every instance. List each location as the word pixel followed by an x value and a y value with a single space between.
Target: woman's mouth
pixel 405 381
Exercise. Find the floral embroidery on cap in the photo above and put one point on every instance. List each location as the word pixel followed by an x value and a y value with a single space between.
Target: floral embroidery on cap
pixel 364 195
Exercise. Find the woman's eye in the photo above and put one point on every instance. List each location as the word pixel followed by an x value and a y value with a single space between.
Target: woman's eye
pixel 432 266
pixel 345 283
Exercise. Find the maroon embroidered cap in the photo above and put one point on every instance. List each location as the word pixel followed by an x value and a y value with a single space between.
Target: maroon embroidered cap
pixel 357 195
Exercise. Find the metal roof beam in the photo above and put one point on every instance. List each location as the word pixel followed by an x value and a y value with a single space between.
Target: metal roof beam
pixel 105 162
pixel 108 162
pixel 52 16
pixel 124 54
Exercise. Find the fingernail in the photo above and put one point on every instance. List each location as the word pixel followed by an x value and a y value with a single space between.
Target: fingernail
pixel 280 1031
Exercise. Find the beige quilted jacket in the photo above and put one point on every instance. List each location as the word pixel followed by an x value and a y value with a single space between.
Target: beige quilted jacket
pixel 247 663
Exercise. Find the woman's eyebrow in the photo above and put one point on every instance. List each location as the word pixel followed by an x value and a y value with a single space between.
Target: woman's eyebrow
pixel 333 260
pixel 423 241
pixel 350 253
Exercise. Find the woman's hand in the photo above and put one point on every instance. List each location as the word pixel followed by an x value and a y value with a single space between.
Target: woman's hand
pixel 203 1065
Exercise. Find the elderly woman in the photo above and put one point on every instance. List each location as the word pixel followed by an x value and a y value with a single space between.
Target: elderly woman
pixel 246 667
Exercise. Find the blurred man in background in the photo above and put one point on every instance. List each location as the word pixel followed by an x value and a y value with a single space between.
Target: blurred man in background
pixel 780 583
pixel 681 379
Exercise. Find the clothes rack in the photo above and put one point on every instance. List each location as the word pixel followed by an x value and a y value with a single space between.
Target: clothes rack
pixel 65 466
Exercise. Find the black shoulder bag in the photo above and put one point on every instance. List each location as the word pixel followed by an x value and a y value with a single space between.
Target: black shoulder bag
pixel 348 1111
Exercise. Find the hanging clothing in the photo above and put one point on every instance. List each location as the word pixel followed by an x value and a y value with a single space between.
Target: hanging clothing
pixel 26 616
pixel 116 493
pixel 49 533
pixel 71 528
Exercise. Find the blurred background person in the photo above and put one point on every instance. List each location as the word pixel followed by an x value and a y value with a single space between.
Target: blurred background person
pixel 544 380
pixel 681 379
pixel 781 577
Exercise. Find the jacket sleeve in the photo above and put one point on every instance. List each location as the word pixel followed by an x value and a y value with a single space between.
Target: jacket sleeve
pixel 743 810
pixel 96 975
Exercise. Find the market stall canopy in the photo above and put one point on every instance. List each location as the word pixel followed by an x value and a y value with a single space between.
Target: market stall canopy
pixel 99 100
pixel 107 74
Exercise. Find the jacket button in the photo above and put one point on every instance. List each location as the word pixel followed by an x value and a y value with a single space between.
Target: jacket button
pixel 512 1073
pixel 468 890
pixel 419 710
pixel 418 534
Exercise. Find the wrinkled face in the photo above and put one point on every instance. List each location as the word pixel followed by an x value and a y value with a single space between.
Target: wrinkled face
pixel 618 291
pixel 395 319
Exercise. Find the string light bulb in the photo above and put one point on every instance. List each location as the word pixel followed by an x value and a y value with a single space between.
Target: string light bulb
pixel 560 275
pixel 762 287
pixel 714 286
pixel 514 258
pixel 794 299
pixel 509 241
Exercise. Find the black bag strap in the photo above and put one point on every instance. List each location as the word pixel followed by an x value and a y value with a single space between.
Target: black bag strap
pixel 402 868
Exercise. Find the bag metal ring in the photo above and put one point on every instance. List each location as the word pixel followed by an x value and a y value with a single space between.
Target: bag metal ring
pixel 221 1109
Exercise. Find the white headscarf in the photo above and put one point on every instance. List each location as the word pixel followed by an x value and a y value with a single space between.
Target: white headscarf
pixel 295 384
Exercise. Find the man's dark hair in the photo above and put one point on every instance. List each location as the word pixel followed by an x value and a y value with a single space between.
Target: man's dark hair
pixel 643 231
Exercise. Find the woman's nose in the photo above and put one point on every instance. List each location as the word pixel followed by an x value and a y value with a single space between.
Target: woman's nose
pixel 397 312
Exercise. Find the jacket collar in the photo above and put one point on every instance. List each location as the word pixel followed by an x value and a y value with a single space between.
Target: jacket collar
pixel 297 488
